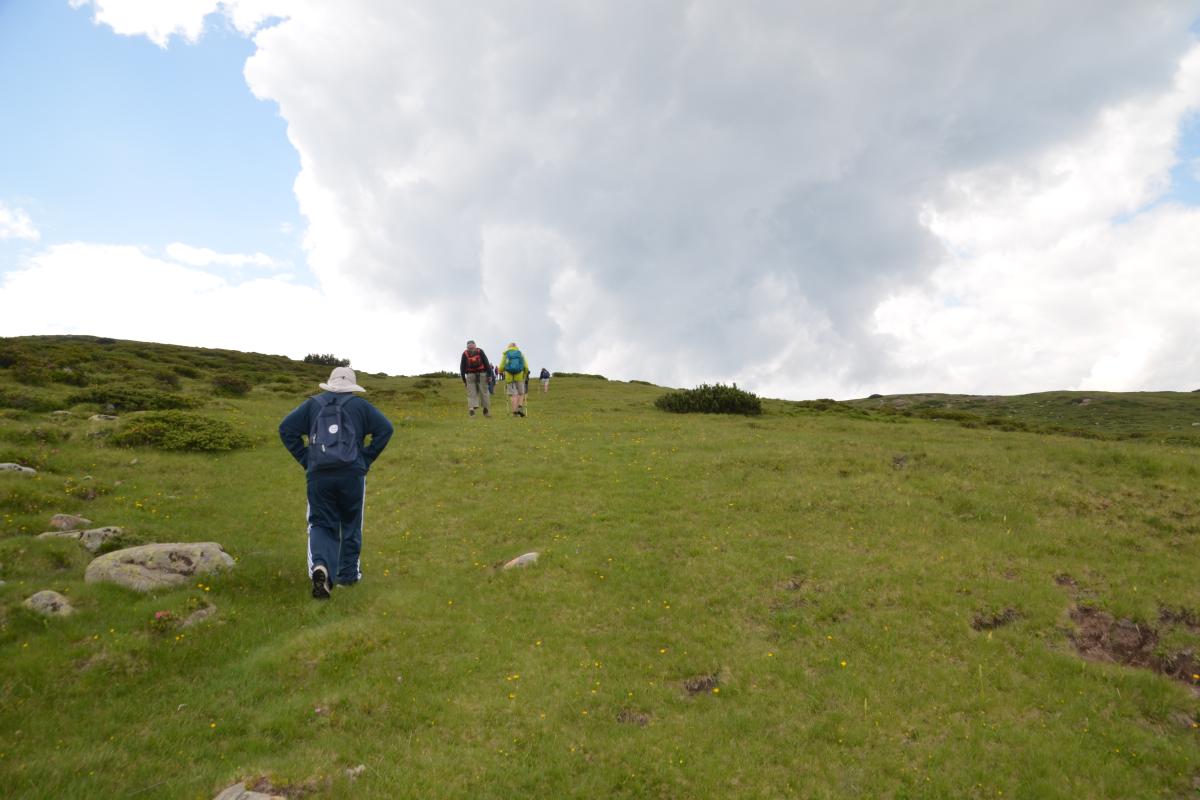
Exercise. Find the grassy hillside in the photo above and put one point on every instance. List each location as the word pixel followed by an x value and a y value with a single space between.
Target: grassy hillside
pixel 828 600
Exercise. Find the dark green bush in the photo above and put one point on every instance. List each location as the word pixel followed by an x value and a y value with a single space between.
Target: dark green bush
pixel 580 375
pixel 36 435
pixel 132 398
pixel 30 374
pixel 186 371
pixel 231 385
pixel 167 379
pixel 25 400
pixel 442 374
pixel 71 376
pixel 715 399
pixel 327 359
pixel 179 430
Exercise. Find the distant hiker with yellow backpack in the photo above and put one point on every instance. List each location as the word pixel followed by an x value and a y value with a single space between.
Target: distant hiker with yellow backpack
pixel 515 368
pixel 335 460
pixel 476 372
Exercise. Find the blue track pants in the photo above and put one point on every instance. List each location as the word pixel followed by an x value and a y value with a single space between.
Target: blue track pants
pixel 335 518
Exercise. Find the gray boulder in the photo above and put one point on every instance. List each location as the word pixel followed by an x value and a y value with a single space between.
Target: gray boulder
pixel 50 604
pixel 158 566
pixel 198 616
pixel 93 539
pixel 525 560
pixel 69 522
pixel 102 418
pixel 10 467
pixel 239 792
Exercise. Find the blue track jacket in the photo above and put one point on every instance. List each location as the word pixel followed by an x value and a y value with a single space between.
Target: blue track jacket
pixel 368 421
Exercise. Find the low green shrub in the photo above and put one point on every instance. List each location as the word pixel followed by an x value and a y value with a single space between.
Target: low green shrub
pixel 442 374
pixel 326 359
pixel 714 399
pixel 26 400
pixel 71 376
pixel 580 375
pixel 132 398
pixel 187 371
pixel 30 374
pixel 36 435
pixel 231 386
pixel 179 430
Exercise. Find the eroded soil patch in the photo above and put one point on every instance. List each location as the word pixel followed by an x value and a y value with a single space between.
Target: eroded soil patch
pixel 700 684
pixel 1101 637
pixel 629 716
pixel 990 620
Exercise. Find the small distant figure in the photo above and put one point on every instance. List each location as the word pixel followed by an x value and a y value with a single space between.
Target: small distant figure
pixel 545 378
pixel 515 369
pixel 475 370
pixel 336 459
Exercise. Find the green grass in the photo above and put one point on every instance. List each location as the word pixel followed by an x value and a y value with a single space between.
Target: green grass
pixel 824 565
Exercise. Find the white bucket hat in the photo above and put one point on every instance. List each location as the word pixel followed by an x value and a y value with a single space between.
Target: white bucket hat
pixel 342 380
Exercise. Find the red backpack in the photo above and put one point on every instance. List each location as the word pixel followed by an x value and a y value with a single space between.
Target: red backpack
pixel 474 361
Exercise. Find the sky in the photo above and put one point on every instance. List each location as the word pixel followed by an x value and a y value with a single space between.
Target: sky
pixel 810 199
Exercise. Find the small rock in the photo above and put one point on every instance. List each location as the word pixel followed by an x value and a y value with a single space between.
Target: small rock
pixel 49 603
pixel 102 418
pixel 60 413
pixel 522 561
pixel 10 467
pixel 239 792
pixel 199 615
pixel 353 773
pixel 93 539
pixel 68 522
pixel 133 462
pixel 158 566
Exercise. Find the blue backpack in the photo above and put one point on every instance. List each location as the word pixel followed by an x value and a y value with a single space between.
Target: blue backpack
pixel 515 364
pixel 332 440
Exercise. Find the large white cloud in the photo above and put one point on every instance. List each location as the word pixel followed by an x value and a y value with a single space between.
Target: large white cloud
pixel 811 199
pixel 127 293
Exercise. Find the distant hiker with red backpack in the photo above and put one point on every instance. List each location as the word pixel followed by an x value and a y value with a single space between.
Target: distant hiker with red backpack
pixel 476 370
pixel 515 369
pixel 336 459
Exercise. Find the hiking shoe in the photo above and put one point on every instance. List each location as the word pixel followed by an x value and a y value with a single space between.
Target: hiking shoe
pixel 521 411
pixel 486 413
pixel 320 583
pixel 470 412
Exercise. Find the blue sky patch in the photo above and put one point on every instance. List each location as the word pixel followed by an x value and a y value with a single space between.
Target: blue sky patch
pixel 112 139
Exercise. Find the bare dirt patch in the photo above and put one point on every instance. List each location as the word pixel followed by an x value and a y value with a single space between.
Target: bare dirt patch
pixel 700 684
pixel 1101 637
pixel 990 620
pixel 629 716
pixel 1179 616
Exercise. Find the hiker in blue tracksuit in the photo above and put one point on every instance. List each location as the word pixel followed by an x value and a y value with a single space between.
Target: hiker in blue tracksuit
pixel 336 460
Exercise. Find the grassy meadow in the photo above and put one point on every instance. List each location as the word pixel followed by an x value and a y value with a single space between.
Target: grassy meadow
pixel 828 600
